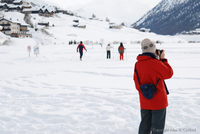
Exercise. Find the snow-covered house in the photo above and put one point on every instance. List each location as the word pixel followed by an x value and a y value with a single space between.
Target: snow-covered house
pixel 7 1
pixel 26 7
pixel 33 10
pixel 3 6
pixel 10 7
pixel 14 8
pixel 43 24
pixel 17 2
pixel 115 26
pixel 145 30
pixel 14 28
pixel 196 31
pixel 47 12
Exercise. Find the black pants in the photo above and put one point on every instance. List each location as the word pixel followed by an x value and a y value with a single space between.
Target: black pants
pixel 108 54
pixel 81 54
pixel 152 121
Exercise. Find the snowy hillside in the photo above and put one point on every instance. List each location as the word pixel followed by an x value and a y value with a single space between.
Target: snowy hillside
pixel 172 17
pixel 118 11
pixel 61 30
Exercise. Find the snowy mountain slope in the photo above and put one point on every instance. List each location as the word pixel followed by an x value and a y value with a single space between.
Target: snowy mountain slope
pixel 119 11
pixel 63 30
pixel 172 16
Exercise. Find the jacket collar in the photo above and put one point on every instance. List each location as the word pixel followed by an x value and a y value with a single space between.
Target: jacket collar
pixel 146 56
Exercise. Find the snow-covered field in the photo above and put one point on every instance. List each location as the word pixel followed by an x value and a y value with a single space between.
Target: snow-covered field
pixel 55 93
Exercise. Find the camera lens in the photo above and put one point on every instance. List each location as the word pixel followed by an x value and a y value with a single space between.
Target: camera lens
pixel 161 51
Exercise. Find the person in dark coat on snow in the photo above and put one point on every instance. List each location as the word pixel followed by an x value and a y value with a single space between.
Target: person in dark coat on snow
pixel 80 49
pixel 151 71
pixel 121 51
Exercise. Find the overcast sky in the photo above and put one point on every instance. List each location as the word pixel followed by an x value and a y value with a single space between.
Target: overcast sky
pixel 68 3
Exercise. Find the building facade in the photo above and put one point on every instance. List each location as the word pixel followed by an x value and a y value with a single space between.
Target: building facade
pixel 14 29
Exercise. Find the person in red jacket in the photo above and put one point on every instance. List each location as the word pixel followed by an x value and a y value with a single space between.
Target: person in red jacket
pixel 121 51
pixel 80 49
pixel 150 69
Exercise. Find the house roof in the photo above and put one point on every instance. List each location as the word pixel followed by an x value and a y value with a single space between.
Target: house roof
pixel 32 9
pixel 50 9
pixel 5 19
pixel 17 1
pixel 2 4
pixel 15 21
pixel 13 6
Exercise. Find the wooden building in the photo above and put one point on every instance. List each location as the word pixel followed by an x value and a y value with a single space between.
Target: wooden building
pixel 14 28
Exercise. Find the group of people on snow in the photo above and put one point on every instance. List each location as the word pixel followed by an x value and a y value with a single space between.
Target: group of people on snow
pixel 121 49
pixel 150 71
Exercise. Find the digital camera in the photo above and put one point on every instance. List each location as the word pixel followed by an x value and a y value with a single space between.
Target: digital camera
pixel 158 50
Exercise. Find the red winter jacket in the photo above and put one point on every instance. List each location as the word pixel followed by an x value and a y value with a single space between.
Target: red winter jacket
pixel 150 70
pixel 80 47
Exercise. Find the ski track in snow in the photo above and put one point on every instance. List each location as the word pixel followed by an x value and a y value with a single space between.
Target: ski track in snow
pixel 67 96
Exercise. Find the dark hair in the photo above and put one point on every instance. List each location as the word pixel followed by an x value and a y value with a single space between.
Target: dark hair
pixel 81 42
pixel 121 44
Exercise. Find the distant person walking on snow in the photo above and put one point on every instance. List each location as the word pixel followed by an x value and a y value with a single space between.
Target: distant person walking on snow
pixel 80 49
pixel 121 51
pixel 108 49
pixel 149 69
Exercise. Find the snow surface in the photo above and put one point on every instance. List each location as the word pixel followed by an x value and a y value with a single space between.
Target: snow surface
pixel 55 92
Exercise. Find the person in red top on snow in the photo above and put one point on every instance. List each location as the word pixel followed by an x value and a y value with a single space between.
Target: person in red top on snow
pixel 121 51
pixel 150 69
pixel 80 49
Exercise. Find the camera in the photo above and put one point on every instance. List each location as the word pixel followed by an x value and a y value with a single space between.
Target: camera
pixel 158 50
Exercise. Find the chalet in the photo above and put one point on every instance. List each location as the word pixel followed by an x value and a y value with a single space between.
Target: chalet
pixel 17 2
pixel 76 21
pixel 145 30
pixel 14 8
pixel 7 1
pixel 79 25
pixel 115 26
pixel 14 28
pixel 26 7
pixel 197 31
pixel 43 24
pixel 46 13
pixel 3 6
pixel 49 11
pixel 41 11
pixel 33 10
pixel 82 26
pixel 60 11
